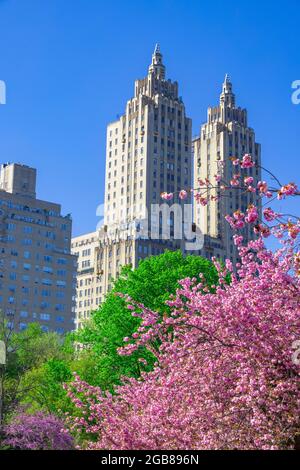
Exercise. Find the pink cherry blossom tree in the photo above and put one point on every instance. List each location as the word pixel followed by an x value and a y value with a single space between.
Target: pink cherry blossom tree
pixel 227 376
pixel 36 432
pixel 283 226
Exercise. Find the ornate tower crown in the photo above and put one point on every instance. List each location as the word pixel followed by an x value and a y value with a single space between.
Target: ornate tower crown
pixel 227 96
pixel 157 66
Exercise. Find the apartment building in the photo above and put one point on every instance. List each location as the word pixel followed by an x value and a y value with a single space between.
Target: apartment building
pixel 226 134
pixel 37 269
pixel 148 151
pixel 89 289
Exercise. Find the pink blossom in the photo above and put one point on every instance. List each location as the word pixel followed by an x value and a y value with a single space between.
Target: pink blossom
pixel 269 214
pixel 247 161
pixel 252 214
pixel 262 187
pixel 224 379
pixel 261 229
pixel 235 161
pixel 37 431
pixel 201 199
pixel 183 194
pixel 167 196
pixel 238 215
pixel 251 189
pixel 293 230
pixel 248 180
pixel 287 190
pixel 237 239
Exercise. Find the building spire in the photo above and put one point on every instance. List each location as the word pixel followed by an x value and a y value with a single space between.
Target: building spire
pixel 157 49
pixel 227 95
pixel 227 85
pixel 157 66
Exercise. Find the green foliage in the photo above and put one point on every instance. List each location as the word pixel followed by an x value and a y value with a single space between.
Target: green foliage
pixel 39 364
pixel 32 373
pixel 44 387
pixel 44 384
pixel 151 283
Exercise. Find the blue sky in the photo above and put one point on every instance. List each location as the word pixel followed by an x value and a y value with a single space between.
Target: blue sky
pixel 70 66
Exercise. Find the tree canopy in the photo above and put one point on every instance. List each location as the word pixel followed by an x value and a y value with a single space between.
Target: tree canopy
pixel 152 283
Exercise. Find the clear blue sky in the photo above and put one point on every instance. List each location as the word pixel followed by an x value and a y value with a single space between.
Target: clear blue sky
pixel 70 65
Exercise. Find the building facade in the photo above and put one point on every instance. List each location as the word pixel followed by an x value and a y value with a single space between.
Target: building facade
pixel 226 134
pixel 148 151
pixel 89 289
pixel 37 270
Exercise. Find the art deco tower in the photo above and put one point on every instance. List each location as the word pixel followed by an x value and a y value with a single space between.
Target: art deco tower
pixel 148 151
pixel 148 148
pixel 225 134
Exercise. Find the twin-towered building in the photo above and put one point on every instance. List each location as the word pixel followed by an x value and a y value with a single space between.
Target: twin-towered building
pixel 149 151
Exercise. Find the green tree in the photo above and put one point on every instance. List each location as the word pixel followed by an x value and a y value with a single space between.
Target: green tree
pixel 26 351
pixel 45 384
pixel 151 283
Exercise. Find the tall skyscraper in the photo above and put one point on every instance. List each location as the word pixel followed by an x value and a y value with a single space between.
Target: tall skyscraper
pixel 37 270
pixel 148 151
pixel 226 134
pixel 148 148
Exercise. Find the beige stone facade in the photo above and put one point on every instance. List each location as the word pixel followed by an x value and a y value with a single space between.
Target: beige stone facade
pixel 225 134
pixel 148 151
pixel 90 289
pixel 37 270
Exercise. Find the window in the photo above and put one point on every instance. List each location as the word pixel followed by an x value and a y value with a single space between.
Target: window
pixel 45 316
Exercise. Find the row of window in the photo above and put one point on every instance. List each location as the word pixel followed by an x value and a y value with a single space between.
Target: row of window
pixel 45 328
pixel 88 302
pixel 13 276
pixel 24 302
pixel 28 241
pixel 89 292
pixel 35 210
